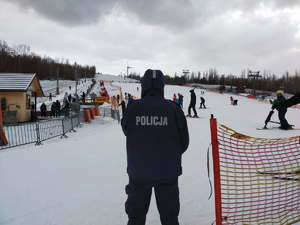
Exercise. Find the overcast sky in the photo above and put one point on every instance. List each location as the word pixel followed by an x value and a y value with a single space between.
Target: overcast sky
pixel 170 35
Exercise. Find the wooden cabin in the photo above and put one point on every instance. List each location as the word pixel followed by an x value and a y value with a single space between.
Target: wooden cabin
pixel 18 93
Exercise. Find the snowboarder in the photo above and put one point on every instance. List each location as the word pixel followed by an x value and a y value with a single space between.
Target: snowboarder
pixel 192 104
pixel 43 110
pixel 157 136
pixel 202 103
pixel 279 105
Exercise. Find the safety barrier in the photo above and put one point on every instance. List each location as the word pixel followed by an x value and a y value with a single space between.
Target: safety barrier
pixel 37 132
pixel 256 180
pixel 109 112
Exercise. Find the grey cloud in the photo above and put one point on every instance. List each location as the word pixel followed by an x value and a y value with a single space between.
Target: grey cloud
pixel 252 42
pixel 177 15
pixel 69 12
pixel 76 12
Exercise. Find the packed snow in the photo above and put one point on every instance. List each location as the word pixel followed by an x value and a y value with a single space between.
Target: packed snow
pixel 80 180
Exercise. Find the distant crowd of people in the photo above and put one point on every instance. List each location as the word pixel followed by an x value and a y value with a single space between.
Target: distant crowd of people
pixel 69 103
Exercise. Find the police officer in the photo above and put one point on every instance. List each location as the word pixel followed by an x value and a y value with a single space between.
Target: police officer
pixel 157 136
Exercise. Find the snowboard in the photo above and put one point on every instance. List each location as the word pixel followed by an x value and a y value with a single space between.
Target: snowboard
pixel 274 128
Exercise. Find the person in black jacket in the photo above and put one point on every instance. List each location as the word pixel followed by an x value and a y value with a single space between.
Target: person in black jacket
pixel 43 110
pixel 156 137
pixel 192 104
pixel 294 100
pixel 279 104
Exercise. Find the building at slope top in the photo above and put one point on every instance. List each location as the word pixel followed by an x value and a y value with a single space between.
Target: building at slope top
pixel 18 94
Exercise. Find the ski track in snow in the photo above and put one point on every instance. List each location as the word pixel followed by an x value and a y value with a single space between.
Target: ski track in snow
pixel 80 180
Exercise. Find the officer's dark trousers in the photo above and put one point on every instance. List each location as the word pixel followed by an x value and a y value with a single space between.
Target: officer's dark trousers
pixel 194 110
pixel 281 115
pixel 139 196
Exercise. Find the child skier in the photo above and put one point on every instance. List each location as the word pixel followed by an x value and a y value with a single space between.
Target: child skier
pixel 202 103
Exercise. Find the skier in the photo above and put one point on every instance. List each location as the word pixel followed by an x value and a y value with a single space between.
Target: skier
pixel 202 103
pixel 157 136
pixel 280 105
pixel 50 97
pixel 192 104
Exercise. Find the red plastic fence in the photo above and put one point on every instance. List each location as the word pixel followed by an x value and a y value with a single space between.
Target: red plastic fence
pixel 256 180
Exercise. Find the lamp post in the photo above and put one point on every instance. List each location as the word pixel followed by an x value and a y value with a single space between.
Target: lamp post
pixel 127 70
pixel 254 75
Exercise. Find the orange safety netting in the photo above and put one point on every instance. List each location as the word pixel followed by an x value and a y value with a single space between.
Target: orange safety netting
pixel 259 179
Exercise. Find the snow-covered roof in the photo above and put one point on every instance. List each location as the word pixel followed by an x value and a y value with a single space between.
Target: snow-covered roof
pixel 15 81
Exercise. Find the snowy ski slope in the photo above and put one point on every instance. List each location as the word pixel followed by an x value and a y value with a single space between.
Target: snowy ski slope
pixel 81 180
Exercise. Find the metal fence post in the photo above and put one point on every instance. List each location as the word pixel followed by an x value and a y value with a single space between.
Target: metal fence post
pixel 38 135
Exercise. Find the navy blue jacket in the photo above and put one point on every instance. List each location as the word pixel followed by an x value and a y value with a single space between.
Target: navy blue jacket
pixel 156 133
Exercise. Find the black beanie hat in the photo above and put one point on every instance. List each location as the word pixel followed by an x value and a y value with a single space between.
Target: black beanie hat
pixel 153 80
